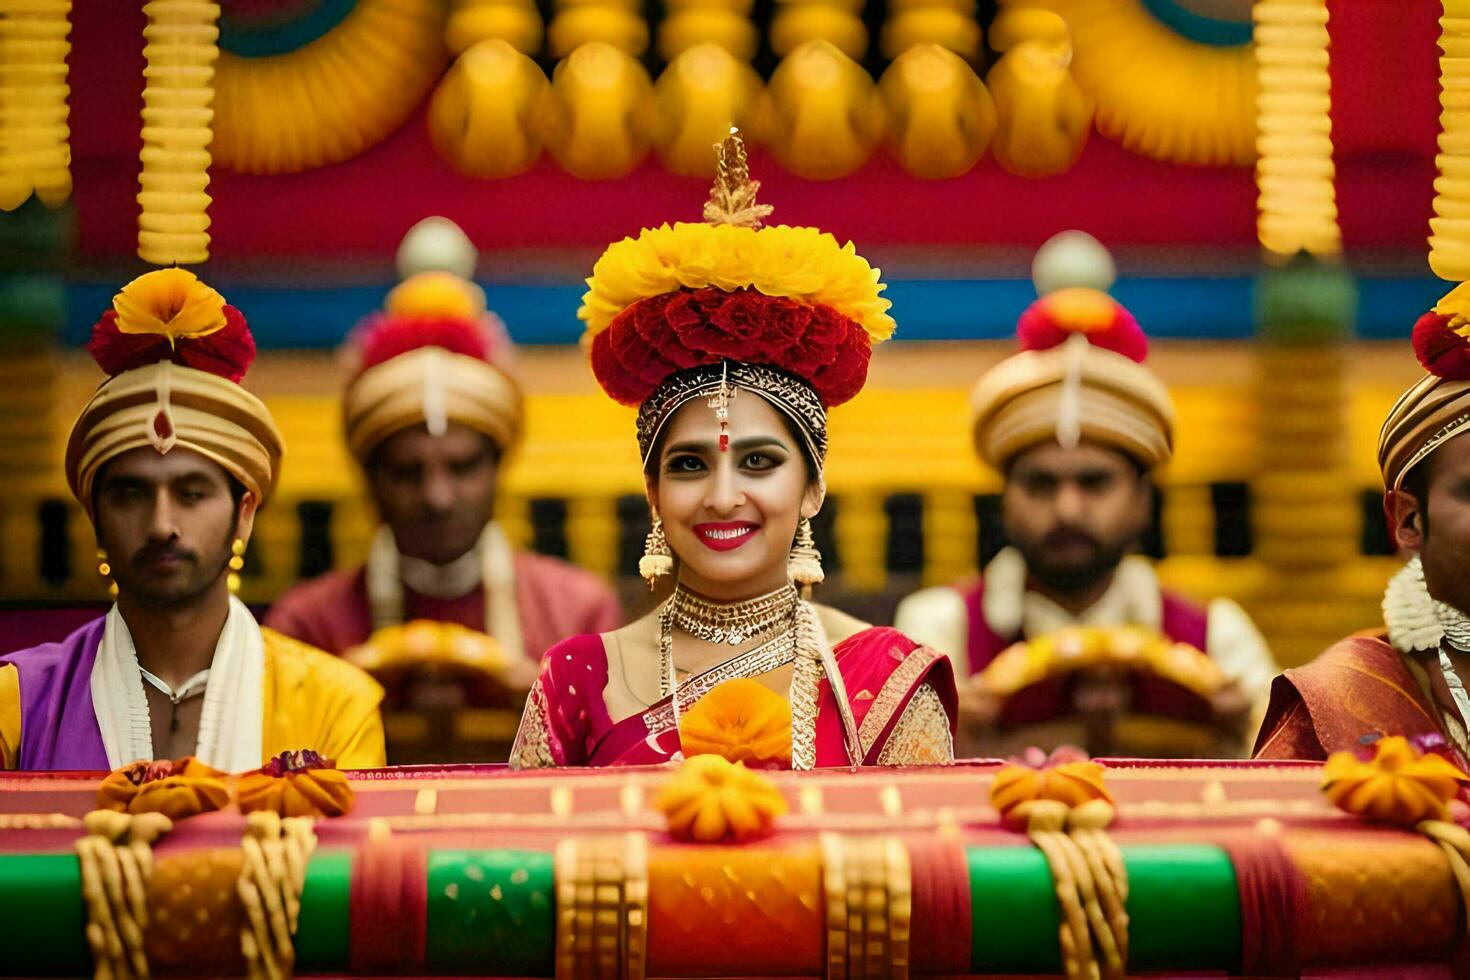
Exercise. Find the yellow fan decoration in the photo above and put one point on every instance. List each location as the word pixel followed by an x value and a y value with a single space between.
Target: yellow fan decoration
pixel 35 154
pixel 1294 171
pixel 333 98
pixel 1074 648
pixel 778 260
pixel 1449 239
pixel 181 48
pixel 171 303
pixel 1157 93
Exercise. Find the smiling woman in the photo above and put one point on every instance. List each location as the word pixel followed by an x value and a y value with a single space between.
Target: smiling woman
pixel 734 340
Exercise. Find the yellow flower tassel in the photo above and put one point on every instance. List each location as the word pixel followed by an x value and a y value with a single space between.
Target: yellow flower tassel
pixel 1449 240
pixel 1294 169
pixel 35 155
pixel 181 49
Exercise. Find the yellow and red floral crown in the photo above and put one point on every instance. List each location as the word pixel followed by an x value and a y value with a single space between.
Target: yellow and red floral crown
pixel 688 295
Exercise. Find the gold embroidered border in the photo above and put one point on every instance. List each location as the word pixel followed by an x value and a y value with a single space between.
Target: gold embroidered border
pixel 869 895
pixel 759 660
pixel 532 746
pixel 602 907
pixel 891 695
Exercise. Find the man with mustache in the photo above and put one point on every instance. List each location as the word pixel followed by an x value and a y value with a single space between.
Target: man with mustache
pixel 430 412
pixel 1076 424
pixel 171 459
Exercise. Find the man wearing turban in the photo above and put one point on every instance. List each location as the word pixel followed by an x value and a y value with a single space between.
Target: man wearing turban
pixel 430 413
pixel 1406 678
pixel 1076 424
pixel 171 459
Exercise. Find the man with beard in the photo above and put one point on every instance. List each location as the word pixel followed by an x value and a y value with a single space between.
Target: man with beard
pixel 1405 678
pixel 1076 424
pixel 430 411
pixel 171 458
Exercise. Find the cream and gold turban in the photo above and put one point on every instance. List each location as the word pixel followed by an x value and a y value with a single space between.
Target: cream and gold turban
pixel 433 357
pixel 175 352
pixel 1079 380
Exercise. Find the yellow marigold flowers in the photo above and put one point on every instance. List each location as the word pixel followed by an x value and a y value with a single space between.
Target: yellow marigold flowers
pixel 171 303
pixel 176 789
pixel 711 799
pixel 797 263
pixel 1393 782
pixel 741 720
pixel 1070 782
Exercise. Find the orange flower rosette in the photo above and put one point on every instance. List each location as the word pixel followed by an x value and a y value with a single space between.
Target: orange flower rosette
pixel 296 784
pixel 740 720
pixel 1392 781
pixel 1067 776
pixel 175 788
pixel 712 800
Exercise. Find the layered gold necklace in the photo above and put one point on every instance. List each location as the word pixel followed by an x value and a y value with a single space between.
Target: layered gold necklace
pixel 735 622
pixel 755 620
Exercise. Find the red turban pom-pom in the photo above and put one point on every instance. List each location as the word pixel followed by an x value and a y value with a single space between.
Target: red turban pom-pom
pixel 228 352
pixel 1440 348
pixel 1053 318
pixel 384 336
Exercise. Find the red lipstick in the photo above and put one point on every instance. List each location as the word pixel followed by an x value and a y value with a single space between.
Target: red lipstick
pixel 725 535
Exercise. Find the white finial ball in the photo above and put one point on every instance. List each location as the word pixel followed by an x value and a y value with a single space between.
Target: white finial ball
pixel 1072 258
pixel 437 245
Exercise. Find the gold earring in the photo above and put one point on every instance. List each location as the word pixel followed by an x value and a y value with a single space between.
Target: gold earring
pixel 657 560
pixel 104 568
pixel 237 562
pixel 805 564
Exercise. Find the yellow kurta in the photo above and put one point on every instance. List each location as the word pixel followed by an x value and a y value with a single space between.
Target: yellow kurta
pixel 312 700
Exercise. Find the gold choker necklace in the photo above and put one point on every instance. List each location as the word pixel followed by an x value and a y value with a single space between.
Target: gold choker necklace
pixel 733 623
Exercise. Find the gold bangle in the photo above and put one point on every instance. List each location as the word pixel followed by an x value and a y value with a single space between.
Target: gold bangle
pixel 602 907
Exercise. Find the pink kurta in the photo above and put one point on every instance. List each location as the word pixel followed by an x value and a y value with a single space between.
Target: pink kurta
pixel 567 721
pixel 555 600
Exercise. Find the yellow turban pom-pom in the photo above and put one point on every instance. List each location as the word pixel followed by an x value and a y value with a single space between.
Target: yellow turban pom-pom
pixel 1396 784
pixel 740 720
pixel 171 303
pixel 436 294
pixel 710 800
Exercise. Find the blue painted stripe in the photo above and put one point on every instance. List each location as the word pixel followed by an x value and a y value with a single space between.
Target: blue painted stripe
pixel 1191 307
pixel 1196 27
pixel 252 39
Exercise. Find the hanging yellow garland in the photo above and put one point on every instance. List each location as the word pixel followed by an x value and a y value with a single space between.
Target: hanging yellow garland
pixel 1298 206
pixel 1449 241
pixel 182 46
pixel 336 97
pixel 1157 93
pixel 35 156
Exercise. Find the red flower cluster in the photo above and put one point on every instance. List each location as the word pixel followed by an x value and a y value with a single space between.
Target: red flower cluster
pixel 383 336
pixel 658 336
pixel 228 352
pixel 1041 329
pixel 1442 351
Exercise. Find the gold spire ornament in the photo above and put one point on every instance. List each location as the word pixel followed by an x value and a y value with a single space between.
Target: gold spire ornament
pixel 732 198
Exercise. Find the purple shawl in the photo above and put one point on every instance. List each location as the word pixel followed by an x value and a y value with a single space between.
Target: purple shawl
pixel 58 725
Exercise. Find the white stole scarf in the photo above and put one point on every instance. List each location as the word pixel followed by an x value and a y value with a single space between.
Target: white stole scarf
pixel 231 721
pixel 1418 621
pixel 491 557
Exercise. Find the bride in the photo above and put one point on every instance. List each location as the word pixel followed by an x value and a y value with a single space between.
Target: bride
pixel 734 340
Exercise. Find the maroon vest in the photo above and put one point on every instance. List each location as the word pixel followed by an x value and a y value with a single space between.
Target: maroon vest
pixel 1183 622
